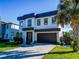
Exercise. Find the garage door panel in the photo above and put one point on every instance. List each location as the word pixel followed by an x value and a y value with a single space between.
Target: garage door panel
pixel 47 37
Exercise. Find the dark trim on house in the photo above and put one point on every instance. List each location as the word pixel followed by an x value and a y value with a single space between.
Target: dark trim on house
pixel 46 14
pixel 25 29
pixel 43 30
pixel 26 16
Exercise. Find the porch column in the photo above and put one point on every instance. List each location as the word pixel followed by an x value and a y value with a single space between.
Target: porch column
pixel 24 38
pixel 35 37
pixel 58 38
pixel 33 40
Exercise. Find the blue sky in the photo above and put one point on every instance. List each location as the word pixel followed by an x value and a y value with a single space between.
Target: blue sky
pixel 11 9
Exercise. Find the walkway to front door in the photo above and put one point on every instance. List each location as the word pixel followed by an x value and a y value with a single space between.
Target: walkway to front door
pixel 36 51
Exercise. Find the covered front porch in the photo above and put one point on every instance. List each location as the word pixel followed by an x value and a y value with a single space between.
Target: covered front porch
pixel 28 36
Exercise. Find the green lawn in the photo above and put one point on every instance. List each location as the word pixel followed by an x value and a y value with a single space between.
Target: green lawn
pixel 61 53
pixel 7 46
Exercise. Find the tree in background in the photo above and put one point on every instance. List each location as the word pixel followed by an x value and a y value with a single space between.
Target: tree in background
pixel 67 38
pixel 67 34
pixel 68 13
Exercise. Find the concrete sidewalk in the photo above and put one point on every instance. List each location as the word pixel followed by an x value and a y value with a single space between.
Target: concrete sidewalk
pixel 35 51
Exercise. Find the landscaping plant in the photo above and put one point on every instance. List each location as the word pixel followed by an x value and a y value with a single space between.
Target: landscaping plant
pixel 18 38
pixel 68 13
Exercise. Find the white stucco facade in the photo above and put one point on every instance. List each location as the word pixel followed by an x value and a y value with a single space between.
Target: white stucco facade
pixel 42 26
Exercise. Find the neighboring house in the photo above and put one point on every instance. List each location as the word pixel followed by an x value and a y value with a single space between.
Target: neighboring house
pixel 8 30
pixel 41 28
pixel 11 30
pixel 2 29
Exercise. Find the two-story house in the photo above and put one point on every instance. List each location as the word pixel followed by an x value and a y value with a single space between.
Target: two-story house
pixel 2 29
pixel 41 28
pixel 10 31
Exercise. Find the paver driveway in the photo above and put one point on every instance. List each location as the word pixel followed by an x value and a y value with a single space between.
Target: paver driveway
pixel 35 51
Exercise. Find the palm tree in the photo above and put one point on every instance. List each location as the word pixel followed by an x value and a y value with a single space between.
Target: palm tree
pixel 68 13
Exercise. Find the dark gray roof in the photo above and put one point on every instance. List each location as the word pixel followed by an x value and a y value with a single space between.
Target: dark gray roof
pixel 37 15
pixel 46 14
pixel 26 16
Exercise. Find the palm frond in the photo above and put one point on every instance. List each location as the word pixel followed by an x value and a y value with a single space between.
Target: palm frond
pixel 67 10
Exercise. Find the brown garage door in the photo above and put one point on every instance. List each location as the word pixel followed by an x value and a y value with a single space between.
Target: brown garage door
pixel 47 37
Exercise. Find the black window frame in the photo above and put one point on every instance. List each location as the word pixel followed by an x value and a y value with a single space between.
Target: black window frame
pixel 45 21
pixel 6 35
pixel 38 22
pixel 28 23
pixel 7 26
pixel 53 20
pixel 21 23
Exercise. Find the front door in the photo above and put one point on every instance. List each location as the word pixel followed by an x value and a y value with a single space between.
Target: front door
pixel 29 38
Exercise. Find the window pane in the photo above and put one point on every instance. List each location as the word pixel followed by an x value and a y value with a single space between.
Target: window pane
pixel 45 21
pixel 38 22
pixel 21 22
pixel 53 20
pixel 6 35
pixel 6 26
pixel 30 22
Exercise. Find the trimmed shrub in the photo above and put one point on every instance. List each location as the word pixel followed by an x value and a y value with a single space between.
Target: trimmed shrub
pixel 62 41
pixel 4 40
pixel 74 45
pixel 18 40
pixel 67 38
pixel 28 42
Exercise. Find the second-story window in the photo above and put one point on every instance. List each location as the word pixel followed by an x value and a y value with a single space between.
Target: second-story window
pixel 38 22
pixel 7 26
pixel 45 21
pixel 6 35
pixel 53 20
pixel 29 23
pixel 21 22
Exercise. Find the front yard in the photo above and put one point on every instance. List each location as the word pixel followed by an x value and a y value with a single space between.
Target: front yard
pixel 60 52
pixel 7 46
